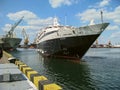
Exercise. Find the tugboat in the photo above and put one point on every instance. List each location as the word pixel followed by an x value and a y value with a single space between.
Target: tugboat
pixel 68 41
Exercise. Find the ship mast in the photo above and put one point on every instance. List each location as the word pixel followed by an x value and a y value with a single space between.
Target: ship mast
pixel 10 32
pixel 101 16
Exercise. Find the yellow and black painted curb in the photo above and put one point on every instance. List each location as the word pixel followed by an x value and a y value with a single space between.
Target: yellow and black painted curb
pixel 40 81
pixel 7 54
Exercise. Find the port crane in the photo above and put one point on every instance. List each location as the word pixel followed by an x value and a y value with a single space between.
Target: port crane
pixel 10 32
pixel 26 37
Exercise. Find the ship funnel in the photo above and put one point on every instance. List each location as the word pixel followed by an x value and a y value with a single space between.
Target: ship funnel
pixel 55 22
pixel 92 22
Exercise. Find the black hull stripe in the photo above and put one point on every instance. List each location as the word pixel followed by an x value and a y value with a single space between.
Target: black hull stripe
pixel 74 47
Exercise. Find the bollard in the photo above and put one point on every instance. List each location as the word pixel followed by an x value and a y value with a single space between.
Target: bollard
pixel 36 80
pixel 48 85
pixel 12 59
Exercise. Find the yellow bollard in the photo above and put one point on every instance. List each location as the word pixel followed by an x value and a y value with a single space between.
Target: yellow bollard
pixel 29 73
pixel 36 80
pixel 21 65
pixel 26 68
pixel 52 86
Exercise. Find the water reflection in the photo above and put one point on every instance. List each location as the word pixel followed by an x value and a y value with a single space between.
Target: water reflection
pixel 99 72
pixel 70 75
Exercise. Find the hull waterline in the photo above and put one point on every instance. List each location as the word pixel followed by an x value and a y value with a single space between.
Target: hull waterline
pixel 10 43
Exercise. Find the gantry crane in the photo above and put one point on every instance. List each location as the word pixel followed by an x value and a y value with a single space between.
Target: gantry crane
pixel 26 37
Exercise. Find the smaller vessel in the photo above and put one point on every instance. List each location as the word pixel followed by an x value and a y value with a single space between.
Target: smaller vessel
pixel 10 41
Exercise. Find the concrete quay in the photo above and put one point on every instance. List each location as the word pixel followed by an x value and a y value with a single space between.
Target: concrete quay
pixel 15 74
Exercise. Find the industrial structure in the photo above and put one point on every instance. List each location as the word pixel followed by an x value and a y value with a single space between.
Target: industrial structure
pixel 26 37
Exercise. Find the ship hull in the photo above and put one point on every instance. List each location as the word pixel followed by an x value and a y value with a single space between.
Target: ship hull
pixel 68 42
pixel 67 47
pixel 10 43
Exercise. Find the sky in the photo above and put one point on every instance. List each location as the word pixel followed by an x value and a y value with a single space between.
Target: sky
pixel 40 13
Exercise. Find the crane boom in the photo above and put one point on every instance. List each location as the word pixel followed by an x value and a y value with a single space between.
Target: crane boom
pixel 26 37
pixel 10 32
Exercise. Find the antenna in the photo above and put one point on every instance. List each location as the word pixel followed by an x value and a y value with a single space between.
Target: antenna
pixel 101 16
pixel 55 23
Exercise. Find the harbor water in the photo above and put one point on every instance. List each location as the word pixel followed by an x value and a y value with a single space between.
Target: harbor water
pixel 98 70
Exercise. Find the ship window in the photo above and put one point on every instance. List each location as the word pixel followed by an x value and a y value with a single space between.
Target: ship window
pixel 50 32
pixel 73 31
pixel 68 34
pixel 47 34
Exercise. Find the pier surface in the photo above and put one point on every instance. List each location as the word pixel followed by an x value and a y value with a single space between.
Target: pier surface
pixel 15 74
pixel 4 59
pixel 11 78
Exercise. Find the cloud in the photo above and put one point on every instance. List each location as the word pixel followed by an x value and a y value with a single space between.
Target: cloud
pixel 6 27
pixel 104 3
pixel 58 3
pixel 113 27
pixel 114 15
pixel 30 18
pixel 115 35
pixel 88 15
pixel 108 16
pixel 31 22
pixel 46 21
pixel 101 4
pixel 27 15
